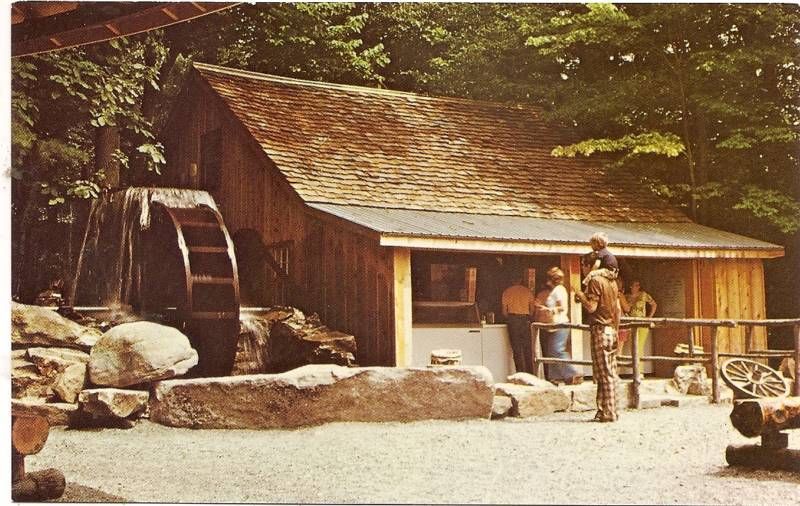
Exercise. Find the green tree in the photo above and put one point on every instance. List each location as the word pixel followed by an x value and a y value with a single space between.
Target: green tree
pixel 64 106
pixel 699 100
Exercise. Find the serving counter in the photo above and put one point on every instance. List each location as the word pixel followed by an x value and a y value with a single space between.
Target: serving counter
pixel 480 344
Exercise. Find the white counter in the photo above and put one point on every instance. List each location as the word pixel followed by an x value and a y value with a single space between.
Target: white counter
pixel 485 344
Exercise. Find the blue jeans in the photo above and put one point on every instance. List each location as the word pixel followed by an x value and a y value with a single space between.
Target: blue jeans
pixel 554 345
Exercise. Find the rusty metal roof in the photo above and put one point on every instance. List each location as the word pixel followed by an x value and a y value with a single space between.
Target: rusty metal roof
pixel 362 146
pixel 413 223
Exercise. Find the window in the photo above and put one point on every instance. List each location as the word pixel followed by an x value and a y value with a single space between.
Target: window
pixel 211 159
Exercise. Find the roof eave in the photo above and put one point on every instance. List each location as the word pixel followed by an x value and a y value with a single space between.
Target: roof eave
pixel 570 248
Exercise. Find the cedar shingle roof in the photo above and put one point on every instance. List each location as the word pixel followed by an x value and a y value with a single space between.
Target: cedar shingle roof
pixel 350 145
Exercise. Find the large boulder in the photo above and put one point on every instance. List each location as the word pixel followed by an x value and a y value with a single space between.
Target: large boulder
pixel 529 400
pixel 140 352
pixel 316 394
pixel 40 326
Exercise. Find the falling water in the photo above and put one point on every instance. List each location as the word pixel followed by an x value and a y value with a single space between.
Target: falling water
pixel 252 352
pixel 109 265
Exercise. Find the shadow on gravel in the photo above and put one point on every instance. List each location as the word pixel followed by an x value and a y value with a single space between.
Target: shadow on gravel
pixel 758 474
pixel 79 493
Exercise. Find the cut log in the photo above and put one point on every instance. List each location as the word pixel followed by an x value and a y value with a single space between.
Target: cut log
pixel 39 486
pixel 753 417
pixel 756 456
pixel 29 434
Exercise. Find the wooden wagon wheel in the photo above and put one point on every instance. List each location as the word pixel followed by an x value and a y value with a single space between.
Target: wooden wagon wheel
pixel 207 297
pixel 752 380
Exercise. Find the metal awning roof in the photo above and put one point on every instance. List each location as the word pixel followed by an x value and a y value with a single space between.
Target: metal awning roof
pixel 474 232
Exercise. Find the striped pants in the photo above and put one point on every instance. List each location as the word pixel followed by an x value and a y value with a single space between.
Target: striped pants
pixel 604 370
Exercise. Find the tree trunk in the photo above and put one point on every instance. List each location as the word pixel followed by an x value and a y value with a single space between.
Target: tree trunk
pixel 759 457
pixel 106 143
pixel 39 486
pixel 754 417
pixel 701 160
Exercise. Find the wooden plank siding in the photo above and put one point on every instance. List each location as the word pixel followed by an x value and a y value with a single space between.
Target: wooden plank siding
pixel 337 270
pixel 732 289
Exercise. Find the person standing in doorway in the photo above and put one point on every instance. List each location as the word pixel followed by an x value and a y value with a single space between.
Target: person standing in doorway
pixel 602 305
pixel 554 342
pixel 641 305
pixel 518 301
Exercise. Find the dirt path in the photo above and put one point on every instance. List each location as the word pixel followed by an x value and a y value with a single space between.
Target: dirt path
pixel 659 456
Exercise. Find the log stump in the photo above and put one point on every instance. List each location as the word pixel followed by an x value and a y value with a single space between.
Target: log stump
pixel 28 437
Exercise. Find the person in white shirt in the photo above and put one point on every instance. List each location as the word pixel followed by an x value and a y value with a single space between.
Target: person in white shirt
pixel 554 342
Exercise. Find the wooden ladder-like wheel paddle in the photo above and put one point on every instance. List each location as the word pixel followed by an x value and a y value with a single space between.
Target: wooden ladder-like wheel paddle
pixel 753 380
pixel 208 310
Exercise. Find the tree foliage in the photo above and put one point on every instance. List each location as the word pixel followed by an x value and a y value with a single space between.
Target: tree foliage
pixel 699 101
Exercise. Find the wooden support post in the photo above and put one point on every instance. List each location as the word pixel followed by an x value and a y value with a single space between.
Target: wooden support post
pixel 714 365
pixel 796 389
pixel 402 307
pixel 691 341
pixel 535 346
pixel 635 357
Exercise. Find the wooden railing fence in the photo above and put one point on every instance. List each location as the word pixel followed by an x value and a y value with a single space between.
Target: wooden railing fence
pixel 711 357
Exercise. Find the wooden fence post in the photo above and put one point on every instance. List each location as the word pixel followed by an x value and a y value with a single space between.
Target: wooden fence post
pixel 635 367
pixel 691 341
pixel 714 365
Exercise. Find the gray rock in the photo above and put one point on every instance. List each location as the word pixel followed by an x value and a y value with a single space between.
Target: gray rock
pixel 524 378
pixel 39 326
pixel 691 379
pixel 299 340
pixel 584 396
pixel 501 406
pixel 113 402
pixel 534 400
pixel 70 382
pixel 57 413
pixel 140 352
pixel 57 355
pixel 316 394
pixel 27 382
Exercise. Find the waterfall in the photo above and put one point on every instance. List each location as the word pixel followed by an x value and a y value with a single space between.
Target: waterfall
pixel 109 265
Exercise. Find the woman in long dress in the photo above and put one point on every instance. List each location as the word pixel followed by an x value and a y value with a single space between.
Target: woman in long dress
pixel 555 341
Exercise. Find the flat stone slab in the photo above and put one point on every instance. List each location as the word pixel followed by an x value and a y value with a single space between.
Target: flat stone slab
pixel 57 413
pixel 316 394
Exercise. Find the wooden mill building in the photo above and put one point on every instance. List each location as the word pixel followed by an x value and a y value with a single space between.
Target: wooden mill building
pixel 391 213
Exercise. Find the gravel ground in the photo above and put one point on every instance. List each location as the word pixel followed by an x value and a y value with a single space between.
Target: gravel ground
pixel 656 456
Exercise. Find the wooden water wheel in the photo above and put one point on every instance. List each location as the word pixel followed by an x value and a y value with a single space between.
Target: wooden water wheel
pixel 191 266
pixel 752 380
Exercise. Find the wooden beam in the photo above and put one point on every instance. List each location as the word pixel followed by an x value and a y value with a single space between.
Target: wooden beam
pixel 92 22
pixel 402 307
pixel 516 246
